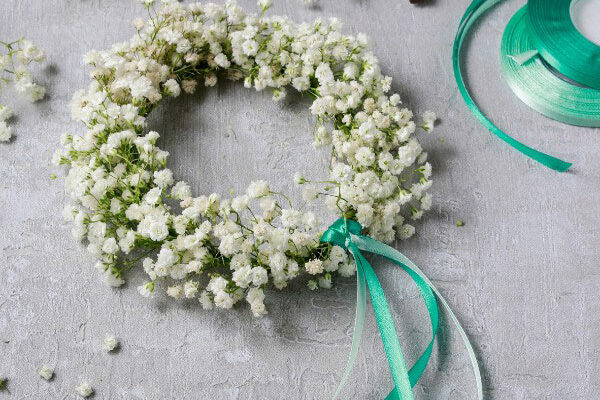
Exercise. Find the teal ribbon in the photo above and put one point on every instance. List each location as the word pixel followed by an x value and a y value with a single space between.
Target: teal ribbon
pixel 474 11
pixel 347 234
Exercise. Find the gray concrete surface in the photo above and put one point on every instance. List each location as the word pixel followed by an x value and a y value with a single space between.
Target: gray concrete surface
pixel 522 274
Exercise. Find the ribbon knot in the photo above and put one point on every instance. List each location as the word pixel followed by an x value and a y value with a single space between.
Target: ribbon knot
pixel 346 233
pixel 339 233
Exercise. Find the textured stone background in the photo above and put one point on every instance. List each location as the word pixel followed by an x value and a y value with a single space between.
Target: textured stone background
pixel 522 274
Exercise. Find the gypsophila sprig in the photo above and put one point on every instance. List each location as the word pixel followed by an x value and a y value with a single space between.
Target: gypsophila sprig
pixel 15 60
pixel 221 250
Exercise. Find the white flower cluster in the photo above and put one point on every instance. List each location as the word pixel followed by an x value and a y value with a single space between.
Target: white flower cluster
pixel 14 67
pixel 221 250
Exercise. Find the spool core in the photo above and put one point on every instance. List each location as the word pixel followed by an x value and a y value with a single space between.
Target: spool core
pixel 586 16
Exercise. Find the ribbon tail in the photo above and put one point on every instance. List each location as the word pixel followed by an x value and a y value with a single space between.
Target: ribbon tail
pixel 416 371
pixel 523 58
pixel 368 244
pixel 473 12
pixel 359 324
pixel 387 328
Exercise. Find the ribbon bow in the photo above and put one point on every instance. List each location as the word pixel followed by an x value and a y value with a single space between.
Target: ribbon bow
pixel 346 233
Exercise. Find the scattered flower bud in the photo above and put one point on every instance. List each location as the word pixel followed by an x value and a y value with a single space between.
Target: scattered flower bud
pixel 84 390
pixel 46 372
pixel 110 343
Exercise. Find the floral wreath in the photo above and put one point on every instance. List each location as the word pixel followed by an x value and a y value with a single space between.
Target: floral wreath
pixel 224 249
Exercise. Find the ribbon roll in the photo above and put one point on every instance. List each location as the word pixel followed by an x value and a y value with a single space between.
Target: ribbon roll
pixel 536 85
pixel 473 12
pixel 347 234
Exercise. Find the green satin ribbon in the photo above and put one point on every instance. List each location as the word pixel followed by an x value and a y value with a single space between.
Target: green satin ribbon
pixel 347 234
pixel 525 71
pixel 474 11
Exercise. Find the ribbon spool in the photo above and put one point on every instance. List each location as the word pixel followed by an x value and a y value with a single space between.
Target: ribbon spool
pixel 532 80
pixel 473 12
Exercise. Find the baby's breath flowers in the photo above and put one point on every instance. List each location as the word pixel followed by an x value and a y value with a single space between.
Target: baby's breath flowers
pixel 218 249
pixel 15 59
pixel 84 390
pixel 110 343
pixel 46 372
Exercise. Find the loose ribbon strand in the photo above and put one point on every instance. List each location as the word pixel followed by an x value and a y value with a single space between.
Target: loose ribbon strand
pixel 474 11
pixel 347 234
